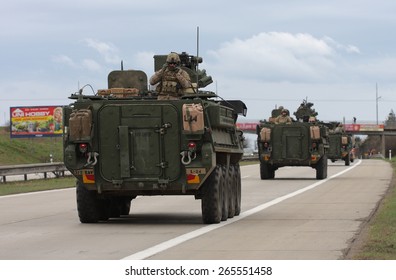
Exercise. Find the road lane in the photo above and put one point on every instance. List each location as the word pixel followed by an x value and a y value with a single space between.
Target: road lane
pixel 317 224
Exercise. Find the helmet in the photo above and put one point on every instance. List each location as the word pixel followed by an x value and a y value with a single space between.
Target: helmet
pixel 173 57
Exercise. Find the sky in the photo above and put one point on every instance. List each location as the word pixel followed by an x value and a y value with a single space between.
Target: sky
pixel 339 55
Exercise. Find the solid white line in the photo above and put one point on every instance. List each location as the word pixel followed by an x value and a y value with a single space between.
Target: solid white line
pixel 36 192
pixel 185 237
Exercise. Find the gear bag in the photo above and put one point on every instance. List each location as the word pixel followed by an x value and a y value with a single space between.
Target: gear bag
pixel 80 124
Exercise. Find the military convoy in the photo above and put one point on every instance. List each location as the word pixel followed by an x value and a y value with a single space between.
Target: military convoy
pixel 121 143
pixel 302 142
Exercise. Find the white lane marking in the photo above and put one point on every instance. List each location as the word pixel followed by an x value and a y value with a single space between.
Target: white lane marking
pixel 37 192
pixel 190 235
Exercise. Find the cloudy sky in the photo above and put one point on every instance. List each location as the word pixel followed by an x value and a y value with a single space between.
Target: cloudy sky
pixel 340 55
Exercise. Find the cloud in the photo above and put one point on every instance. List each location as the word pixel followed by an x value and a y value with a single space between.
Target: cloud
pixel 280 57
pixel 64 59
pixel 108 51
pixel 341 47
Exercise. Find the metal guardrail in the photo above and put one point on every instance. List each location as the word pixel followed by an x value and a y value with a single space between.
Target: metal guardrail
pixel 57 168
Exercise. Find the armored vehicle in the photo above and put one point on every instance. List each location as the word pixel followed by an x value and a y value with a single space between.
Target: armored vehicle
pixel 122 142
pixel 301 142
pixel 340 144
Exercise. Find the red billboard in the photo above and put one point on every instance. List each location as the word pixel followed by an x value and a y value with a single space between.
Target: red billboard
pixel 247 126
pixel 364 127
pixel 37 121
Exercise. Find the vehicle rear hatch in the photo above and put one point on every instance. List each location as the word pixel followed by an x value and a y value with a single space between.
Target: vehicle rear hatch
pixel 334 150
pixel 132 143
pixel 290 141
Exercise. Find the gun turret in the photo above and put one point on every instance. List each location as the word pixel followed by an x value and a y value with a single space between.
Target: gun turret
pixel 305 111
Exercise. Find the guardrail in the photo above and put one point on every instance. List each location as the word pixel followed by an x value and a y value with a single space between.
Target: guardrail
pixel 56 168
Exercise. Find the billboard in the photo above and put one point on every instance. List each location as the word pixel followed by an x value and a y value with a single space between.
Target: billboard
pixel 247 126
pixel 364 127
pixel 36 121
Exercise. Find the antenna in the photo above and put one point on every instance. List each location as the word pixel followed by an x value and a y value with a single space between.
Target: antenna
pixel 197 54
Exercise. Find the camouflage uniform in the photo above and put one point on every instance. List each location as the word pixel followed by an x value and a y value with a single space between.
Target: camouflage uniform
pixel 172 80
pixel 339 129
pixel 283 117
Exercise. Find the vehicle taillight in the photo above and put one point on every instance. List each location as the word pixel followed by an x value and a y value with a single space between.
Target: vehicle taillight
pixel 314 145
pixel 192 146
pixel 266 145
pixel 83 147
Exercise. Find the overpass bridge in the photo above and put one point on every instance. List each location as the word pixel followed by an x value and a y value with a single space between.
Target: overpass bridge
pixel 354 128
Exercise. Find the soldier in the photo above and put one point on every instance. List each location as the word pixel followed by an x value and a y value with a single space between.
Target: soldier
pixel 283 117
pixel 172 79
pixel 339 128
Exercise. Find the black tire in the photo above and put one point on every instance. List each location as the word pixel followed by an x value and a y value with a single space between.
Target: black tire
pixel 87 205
pixel 211 203
pixel 266 171
pixel 321 168
pixel 125 206
pixel 231 191
pixel 224 186
pixel 238 190
pixel 347 160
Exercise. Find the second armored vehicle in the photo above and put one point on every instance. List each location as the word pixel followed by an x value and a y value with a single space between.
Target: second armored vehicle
pixel 302 142
pixel 340 144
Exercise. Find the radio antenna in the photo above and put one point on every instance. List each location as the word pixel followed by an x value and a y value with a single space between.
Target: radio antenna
pixel 197 55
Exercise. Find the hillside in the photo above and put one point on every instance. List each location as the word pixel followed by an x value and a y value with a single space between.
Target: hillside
pixel 30 150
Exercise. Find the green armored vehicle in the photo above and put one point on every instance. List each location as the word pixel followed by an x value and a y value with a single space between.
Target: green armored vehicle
pixel 340 144
pixel 122 142
pixel 301 142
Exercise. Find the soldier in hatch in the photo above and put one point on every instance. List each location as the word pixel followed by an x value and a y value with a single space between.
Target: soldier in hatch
pixel 339 128
pixel 283 117
pixel 172 79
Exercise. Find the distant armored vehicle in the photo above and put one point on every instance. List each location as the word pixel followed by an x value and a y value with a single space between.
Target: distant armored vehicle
pixel 340 144
pixel 122 142
pixel 303 142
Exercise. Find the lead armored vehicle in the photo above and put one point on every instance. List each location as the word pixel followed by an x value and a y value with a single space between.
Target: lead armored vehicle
pixel 301 142
pixel 121 143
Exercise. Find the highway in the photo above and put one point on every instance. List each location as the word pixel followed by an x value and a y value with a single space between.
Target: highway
pixel 293 217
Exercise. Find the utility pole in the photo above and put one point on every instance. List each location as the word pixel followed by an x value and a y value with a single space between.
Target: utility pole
pixel 376 101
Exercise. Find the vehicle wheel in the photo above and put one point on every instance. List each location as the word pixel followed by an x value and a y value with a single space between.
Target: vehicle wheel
pixel 321 168
pixel 266 171
pixel 347 160
pixel 231 191
pixel 224 186
pixel 125 206
pixel 87 204
pixel 238 191
pixel 211 203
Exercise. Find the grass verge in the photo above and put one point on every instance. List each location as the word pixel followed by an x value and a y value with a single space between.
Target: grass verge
pixel 379 238
pixel 36 185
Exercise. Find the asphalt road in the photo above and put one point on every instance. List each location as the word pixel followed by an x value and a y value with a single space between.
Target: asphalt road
pixel 291 217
